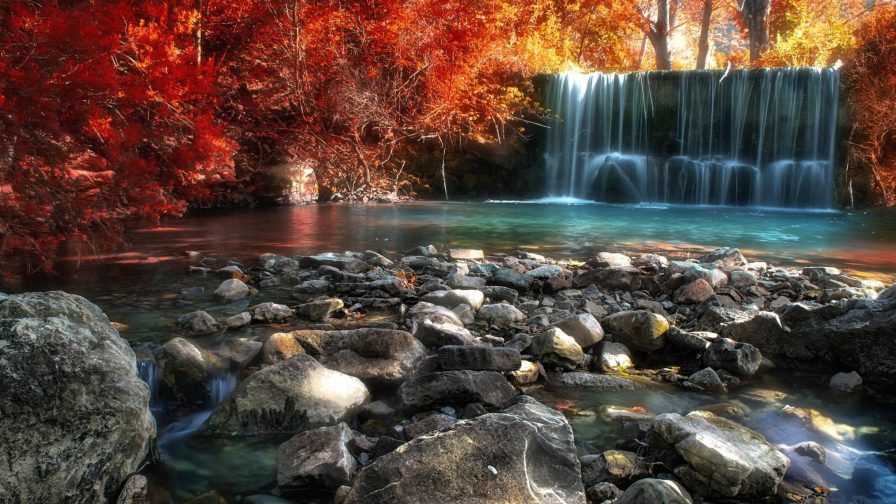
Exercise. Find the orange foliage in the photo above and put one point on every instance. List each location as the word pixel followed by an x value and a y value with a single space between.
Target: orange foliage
pixel 871 76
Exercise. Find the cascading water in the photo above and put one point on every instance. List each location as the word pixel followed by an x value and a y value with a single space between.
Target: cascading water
pixel 148 371
pixel 745 137
pixel 222 385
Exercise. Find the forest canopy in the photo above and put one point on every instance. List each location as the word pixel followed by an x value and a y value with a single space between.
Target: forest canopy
pixel 121 109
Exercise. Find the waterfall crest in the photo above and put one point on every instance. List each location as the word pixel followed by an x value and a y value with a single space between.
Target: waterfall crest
pixel 747 137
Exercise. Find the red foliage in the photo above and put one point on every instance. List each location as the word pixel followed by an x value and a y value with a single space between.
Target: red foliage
pixel 104 114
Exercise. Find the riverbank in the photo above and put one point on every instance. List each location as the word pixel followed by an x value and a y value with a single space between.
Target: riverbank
pixel 370 359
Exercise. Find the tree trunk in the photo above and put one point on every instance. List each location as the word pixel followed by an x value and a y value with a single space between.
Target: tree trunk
pixel 755 14
pixel 659 35
pixel 703 44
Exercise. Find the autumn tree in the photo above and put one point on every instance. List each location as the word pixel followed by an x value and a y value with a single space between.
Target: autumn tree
pixel 871 79
pixel 104 115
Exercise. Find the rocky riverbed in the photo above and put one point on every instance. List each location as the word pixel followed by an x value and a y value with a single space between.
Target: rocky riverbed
pixel 458 376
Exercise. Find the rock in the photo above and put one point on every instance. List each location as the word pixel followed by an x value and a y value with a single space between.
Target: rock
pixel 741 279
pixel 603 492
pixel 436 335
pixel 451 299
pixel 231 290
pixel 311 288
pixel 426 251
pixel 456 281
pixel 621 415
pixel 280 346
pixel 624 278
pixel 230 272
pixel 339 261
pixel 856 335
pixel 270 312
pixel 184 370
pixel 520 342
pixel 478 358
pixel 317 458
pixel 374 259
pixel 716 457
pixel 640 330
pixel 198 322
pixel 610 259
pixel 621 468
pixel 506 277
pixel 614 357
pixel 134 490
pixel 75 419
pixel 686 339
pixel 708 380
pixel 433 423
pixel 381 356
pixel 241 319
pixel 293 395
pixel 438 314
pixel 812 450
pixel 583 328
pixel 714 277
pixel 497 293
pixel 655 491
pixel 319 310
pixel 525 454
pixel 469 254
pixel 500 314
pixel 693 293
pixel 455 387
pixel 555 347
pixel 385 445
pixel 526 374
pixel 592 382
pixel 546 272
pixel 377 409
pixel 725 257
pixel 245 354
pixel 741 359
pixel 846 382
pixel 655 260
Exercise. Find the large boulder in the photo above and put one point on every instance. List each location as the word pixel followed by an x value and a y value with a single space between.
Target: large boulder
pixel 75 418
pixel 640 330
pixel 525 454
pixel 855 335
pixel 381 356
pixel 455 388
pixel 280 346
pixel 716 457
pixel 294 395
pixel 316 458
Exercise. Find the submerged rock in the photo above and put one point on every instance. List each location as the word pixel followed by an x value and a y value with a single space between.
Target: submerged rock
pixel 293 395
pixel 75 418
pixel 846 382
pixel 716 457
pixel 525 454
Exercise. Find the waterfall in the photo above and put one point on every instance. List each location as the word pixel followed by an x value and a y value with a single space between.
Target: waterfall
pixel 148 371
pixel 749 137
pixel 222 385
